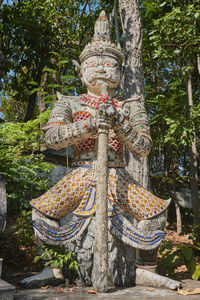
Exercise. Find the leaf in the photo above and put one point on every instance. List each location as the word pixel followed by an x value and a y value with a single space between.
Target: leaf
pixel 162 4
pixel 196 273
pixel 92 292
pixel 33 91
pixel 187 253
pixel 189 292
pixel 55 53
pixel 150 289
pixel 62 62
pixel 71 290
pixel 58 290
pixel 54 85
pixel 49 70
pixel 45 287
pixel 32 83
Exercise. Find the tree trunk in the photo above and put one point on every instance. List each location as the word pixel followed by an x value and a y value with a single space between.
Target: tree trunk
pixel 133 81
pixel 30 107
pixel 193 162
pixel 42 109
pixel 33 97
pixel 2 58
pixel 177 206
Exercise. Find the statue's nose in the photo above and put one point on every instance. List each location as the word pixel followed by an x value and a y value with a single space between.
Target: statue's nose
pixel 100 69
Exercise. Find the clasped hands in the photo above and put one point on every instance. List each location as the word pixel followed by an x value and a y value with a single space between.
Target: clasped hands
pixel 107 115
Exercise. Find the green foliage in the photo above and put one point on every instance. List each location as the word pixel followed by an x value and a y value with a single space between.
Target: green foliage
pixel 56 256
pixel 20 160
pixel 195 235
pixel 171 46
pixel 59 79
pixel 190 262
pixel 30 31
pixel 171 257
pixel 24 230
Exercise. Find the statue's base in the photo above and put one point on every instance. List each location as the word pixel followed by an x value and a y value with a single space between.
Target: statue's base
pixel 146 278
pixel 6 290
pixel 121 258
pixel 49 276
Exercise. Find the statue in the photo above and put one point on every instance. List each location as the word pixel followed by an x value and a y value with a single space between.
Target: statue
pixel 75 120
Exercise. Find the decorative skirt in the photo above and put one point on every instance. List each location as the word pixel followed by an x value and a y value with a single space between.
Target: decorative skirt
pixel 76 193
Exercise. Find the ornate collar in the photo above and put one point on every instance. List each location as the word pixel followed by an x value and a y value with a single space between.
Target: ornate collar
pixel 93 101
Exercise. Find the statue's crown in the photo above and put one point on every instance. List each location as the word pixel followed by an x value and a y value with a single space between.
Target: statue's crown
pixel 101 43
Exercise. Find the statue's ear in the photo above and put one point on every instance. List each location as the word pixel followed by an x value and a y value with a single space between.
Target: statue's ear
pixel 77 66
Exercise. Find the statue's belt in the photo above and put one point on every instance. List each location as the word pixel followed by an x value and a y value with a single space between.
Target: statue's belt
pixel 93 164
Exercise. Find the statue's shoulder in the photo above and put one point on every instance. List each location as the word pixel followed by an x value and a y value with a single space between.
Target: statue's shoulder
pixel 132 103
pixel 131 106
pixel 64 99
pixel 122 102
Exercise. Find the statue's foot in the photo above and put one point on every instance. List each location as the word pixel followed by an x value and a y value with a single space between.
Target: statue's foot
pixel 147 278
pixel 49 276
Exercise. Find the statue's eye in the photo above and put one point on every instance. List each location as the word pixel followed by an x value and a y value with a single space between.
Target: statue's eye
pixel 92 64
pixel 107 64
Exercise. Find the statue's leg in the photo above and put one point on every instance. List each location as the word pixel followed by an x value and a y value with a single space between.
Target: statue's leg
pixel 121 257
pixel 49 275
pixel 147 259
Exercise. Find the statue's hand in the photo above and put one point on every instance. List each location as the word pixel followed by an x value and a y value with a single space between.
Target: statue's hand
pixel 105 114
pixel 119 119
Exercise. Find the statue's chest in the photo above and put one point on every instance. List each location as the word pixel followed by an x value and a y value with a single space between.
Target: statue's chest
pixel 81 111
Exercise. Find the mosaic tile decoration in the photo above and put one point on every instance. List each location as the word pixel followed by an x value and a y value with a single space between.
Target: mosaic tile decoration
pixel 93 101
pixel 76 193
pixel 131 236
pixel 120 228
pixel 61 233
pixel 133 198
pixel 65 196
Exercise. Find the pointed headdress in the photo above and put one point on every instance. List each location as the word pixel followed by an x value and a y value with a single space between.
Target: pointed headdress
pixel 101 43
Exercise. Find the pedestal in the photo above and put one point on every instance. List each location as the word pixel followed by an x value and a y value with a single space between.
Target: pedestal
pixel 6 290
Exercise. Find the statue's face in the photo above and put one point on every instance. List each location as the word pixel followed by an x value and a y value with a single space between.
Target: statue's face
pixel 96 70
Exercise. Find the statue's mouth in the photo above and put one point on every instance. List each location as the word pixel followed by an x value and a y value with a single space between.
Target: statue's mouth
pixel 94 76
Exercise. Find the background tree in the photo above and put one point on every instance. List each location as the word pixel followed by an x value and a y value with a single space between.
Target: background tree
pixel 2 58
pixel 30 31
pixel 133 80
pixel 171 48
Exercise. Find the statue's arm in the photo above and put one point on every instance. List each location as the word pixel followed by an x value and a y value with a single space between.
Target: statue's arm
pixel 134 131
pixel 61 132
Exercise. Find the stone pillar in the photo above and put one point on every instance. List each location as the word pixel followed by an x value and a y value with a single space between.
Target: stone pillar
pixel 100 271
pixel 6 289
